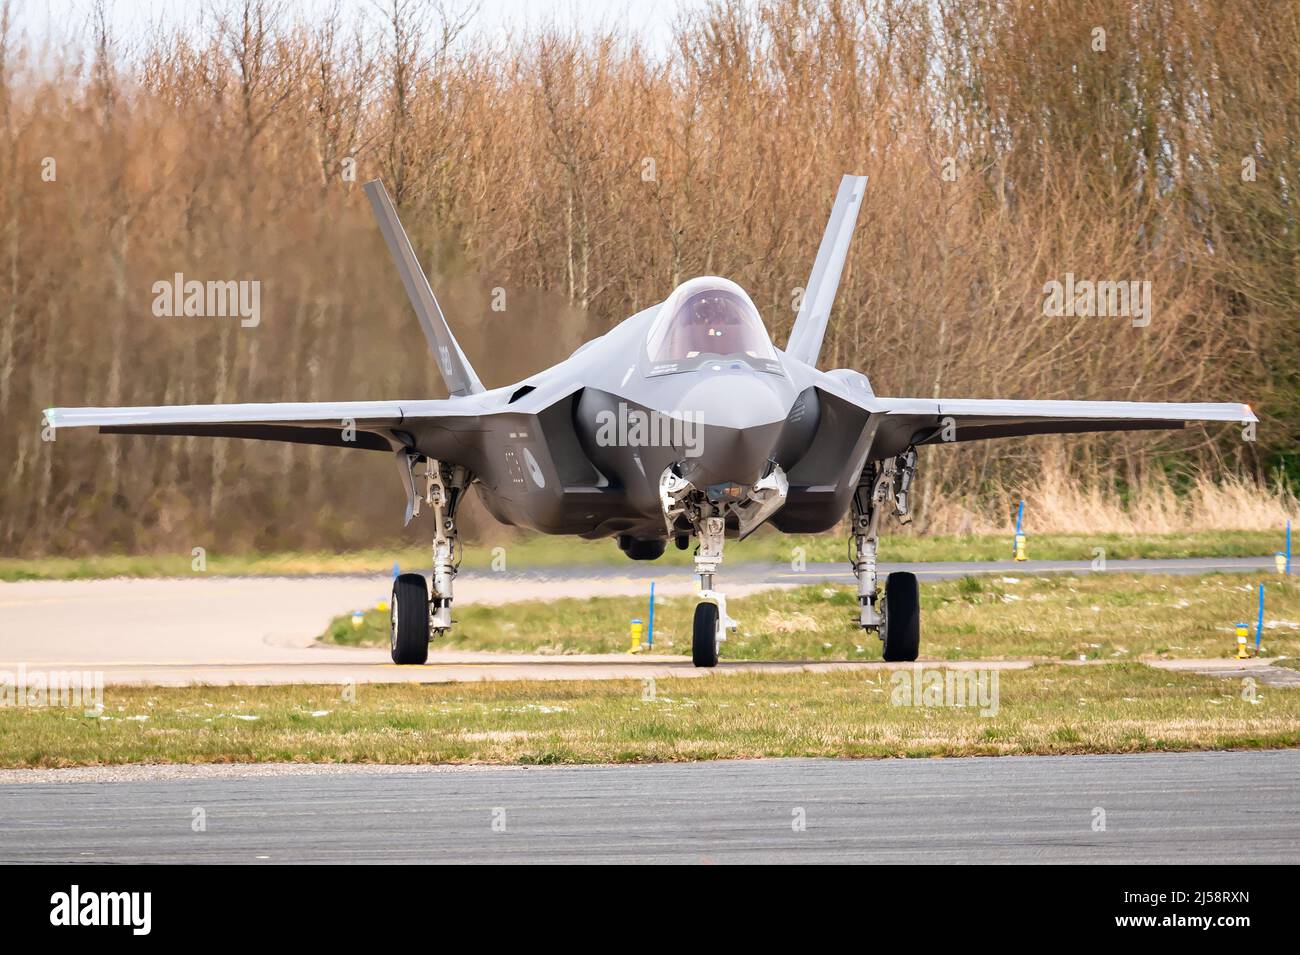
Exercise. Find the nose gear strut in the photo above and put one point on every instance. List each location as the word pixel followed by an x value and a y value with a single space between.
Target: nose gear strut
pixel 706 514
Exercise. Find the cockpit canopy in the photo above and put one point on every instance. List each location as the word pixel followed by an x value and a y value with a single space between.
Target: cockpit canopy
pixel 709 319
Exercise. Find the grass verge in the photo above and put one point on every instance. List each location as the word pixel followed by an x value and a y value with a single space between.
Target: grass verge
pixel 521 553
pixel 1050 709
pixel 1054 617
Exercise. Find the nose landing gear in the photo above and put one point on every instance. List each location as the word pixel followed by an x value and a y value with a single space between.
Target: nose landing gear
pixel 706 514
pixel 711 621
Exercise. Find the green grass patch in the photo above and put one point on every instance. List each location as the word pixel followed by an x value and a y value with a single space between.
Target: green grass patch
pixel 524 552
pixel 1050 709
pixel 1055 617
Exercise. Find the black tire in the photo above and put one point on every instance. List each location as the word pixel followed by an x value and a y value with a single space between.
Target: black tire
pixel 704 636
pixel 645 550
pixel 408 620
pixel 900 627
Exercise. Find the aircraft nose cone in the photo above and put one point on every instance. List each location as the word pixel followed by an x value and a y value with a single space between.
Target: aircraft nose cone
pixel 731 400
pixel 731 456
pixel 741 422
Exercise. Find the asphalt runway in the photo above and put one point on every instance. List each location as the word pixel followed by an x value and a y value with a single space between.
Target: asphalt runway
pixel 1224 807
pixel 256 630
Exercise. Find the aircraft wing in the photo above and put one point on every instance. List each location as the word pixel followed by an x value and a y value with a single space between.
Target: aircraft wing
pixel 918 421
pixel 368 425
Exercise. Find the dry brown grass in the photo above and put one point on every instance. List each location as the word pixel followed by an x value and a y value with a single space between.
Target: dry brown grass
pixel 1062 503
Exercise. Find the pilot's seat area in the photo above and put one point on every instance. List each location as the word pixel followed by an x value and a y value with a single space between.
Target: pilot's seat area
pixel 709 318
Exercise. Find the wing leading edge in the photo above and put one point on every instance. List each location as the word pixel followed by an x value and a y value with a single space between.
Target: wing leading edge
pixel 918 421
pixel 368 425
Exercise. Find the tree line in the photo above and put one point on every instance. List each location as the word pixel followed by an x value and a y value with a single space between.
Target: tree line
pixel 555 183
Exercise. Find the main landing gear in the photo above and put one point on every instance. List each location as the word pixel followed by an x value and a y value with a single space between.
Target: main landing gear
pixel 415 616
pixel 895 616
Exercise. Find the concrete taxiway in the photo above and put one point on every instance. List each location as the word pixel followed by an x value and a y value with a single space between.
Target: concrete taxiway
pixel 1222 807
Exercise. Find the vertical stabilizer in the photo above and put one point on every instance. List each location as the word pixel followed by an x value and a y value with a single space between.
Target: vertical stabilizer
pixel 455 367
pixel 819 294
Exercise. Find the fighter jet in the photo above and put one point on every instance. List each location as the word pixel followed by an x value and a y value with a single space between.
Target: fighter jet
pixel 682 423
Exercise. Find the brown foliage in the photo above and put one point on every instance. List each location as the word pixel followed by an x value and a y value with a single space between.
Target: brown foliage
pixel 521 165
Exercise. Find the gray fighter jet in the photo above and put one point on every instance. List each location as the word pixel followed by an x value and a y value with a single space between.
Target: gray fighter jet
pixel 684 421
